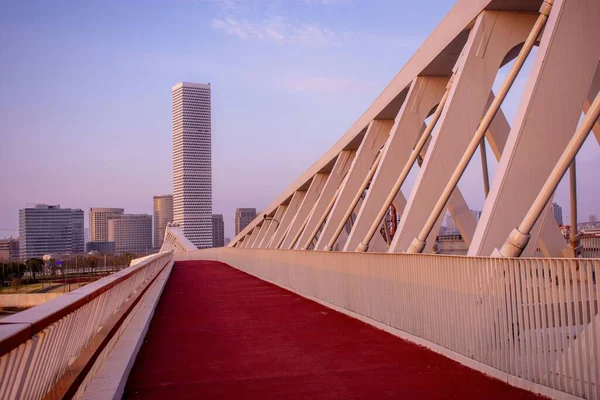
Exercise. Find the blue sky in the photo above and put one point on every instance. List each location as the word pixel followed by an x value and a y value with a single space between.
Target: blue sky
pixel 85 110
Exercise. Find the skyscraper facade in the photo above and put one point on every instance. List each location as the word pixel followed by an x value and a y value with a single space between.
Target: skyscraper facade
pixel 192 173
pixel 49 229
pixel 218 230
pixel 99 222
pixel 243 216
pixel 132 233
pixel 557 211
pixel 163 214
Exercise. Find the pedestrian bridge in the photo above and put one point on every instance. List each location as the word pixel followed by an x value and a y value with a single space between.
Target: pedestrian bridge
pixel 328 292
pixel 229 322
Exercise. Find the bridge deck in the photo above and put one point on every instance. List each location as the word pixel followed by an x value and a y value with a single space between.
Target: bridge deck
pixel 220 333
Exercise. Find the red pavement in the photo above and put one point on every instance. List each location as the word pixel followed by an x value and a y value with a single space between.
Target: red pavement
pixel 221 333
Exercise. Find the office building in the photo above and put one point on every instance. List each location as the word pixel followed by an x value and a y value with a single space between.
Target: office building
pixel 218 230
pixel 132 233
pixel 476 214
pixel 243 216
pixel 101 247
pixel 192 174
pixel 163 215
pixel 9 249
pixel 49 229
pixel 99 222
pixel 557 211
pixel 451 228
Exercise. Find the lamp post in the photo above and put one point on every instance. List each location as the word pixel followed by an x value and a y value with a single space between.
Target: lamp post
pixel 267 218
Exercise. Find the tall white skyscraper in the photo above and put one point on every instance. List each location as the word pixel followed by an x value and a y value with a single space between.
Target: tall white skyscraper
pixel 192 171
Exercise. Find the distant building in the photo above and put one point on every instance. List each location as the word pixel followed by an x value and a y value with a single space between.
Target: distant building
pixel 9 249
pixel 163 215
pixel 227 240
pixel 557 211
pixel 593 218
pixel 450 226
pixel 99 222
pixel 101 247
pixel 132 233
pixel 243 216
pixel 218 230
pixel 49 229
pixel 476 214
pixel 192 173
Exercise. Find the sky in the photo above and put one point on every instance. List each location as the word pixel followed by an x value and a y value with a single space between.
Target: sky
pixel 85 103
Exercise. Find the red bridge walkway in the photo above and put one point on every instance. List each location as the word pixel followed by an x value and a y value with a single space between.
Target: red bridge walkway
pixel 221 333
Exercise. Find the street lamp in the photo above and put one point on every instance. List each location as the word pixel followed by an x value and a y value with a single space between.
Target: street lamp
pixel 267 218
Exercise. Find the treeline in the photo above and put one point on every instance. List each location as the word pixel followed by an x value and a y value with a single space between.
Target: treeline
pixel 34 267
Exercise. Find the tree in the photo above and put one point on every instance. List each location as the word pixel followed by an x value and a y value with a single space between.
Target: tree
pixel 91 262
pixel 128 257
pixel 34 265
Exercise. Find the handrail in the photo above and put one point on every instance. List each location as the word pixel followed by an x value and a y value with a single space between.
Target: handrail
pixel 86 320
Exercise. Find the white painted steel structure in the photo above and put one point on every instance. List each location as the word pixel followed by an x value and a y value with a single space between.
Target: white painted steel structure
pixel 175 241
pixel 345 200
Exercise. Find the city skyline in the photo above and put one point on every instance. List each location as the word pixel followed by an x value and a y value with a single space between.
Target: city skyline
pixel 260 82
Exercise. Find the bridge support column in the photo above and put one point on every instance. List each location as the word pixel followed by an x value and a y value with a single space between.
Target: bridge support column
pixel 551 101
pixel 490 40
pixel 312 194
pixel 424 93
pixel 261 234
pixel 255 235
pixel 272 227
pixel 334 180
pixel 290 214
pixel 375 137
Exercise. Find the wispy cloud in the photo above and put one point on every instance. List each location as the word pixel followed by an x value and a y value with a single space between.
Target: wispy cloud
pixel 276 29
pixel 268 21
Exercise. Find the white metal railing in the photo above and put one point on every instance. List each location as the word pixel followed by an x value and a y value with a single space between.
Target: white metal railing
pixel 48 350
pixel 590 247
pixel 175 241
pixel 535 319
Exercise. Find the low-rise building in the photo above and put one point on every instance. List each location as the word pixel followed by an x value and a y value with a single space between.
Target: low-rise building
pixel 101 247
pixel 9 249
pixel 243 216
pixel 49 229
pixel 218 230
pixel 131 233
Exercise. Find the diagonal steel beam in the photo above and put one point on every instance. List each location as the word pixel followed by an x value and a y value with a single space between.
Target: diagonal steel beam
pixel 491 39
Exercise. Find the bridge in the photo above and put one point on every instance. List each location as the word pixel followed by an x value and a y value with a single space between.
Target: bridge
pixel 328 292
